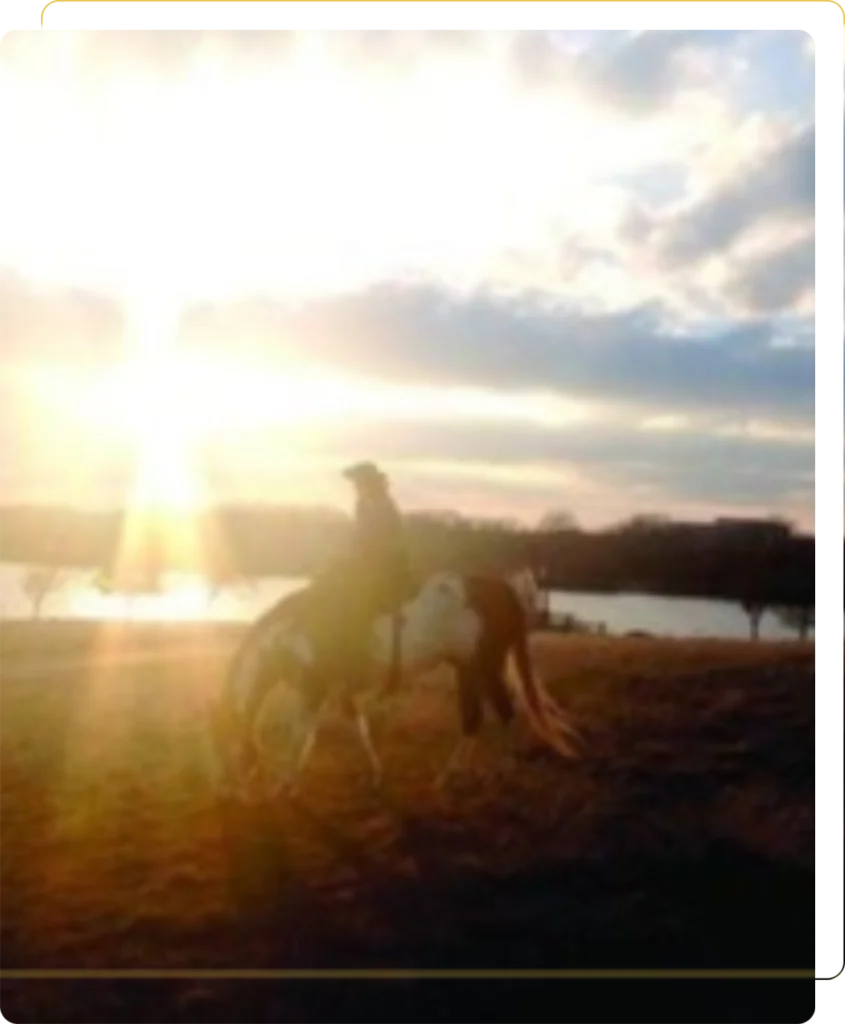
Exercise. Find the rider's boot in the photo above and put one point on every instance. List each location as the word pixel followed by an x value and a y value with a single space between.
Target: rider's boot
pixel 356 668
pixel 394 675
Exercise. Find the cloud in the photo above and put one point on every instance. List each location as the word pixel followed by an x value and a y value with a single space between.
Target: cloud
pixel 72 325
pixel 166 54
pixel 423 334
pixel 778 185
pixel 343 190
pixel 170 54
pixel 387 49
pixel 517 469
pixel 644 70
pixel 775 281
pixel 633 74
pixel 48 452
pixel 627 455
pixel 575 468
pixel 508 265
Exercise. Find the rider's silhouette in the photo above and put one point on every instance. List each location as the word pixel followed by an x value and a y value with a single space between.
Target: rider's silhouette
pixel 380 565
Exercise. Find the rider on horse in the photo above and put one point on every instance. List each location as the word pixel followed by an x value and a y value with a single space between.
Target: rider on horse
pixel 380 565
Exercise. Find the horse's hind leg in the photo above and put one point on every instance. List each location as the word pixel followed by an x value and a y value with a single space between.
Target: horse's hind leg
pixel 354 714
pixel 308 726
pixel 471 715
pixel 490 663
pixel 495 689
pixel 498 696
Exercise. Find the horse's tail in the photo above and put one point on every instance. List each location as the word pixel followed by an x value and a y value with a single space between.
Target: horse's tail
pixel 524 584
pixel 547 718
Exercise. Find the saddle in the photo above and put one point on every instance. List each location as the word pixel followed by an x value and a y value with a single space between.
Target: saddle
pixel 406 589
pixel 393 673
pixel 342 610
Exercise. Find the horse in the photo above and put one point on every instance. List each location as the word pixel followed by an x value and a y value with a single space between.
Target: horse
pixel 471 622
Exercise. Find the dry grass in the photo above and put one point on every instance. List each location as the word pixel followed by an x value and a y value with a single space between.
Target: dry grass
pixel 684 837
pixel 36 641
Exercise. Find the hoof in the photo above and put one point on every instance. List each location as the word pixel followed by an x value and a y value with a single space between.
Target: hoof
pixel 284 788
pixel 234 798
pixel 225 795
pixel 231 792
pixel 252 795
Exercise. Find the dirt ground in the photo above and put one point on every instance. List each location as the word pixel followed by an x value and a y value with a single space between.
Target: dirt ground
pixel 683 837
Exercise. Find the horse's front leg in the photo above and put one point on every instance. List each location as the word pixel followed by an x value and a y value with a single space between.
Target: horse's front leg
pixel 233 754
pixel 376 769
pixel 252 783
pixel 303 726
pixel 353 711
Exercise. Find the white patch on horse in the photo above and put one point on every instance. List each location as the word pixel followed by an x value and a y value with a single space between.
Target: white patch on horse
pixel 280 642
pixel 437 624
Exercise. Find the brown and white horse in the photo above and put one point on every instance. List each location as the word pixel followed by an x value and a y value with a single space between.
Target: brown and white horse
pixel 472 623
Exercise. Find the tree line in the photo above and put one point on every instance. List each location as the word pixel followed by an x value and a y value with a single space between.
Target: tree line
pixel 759 564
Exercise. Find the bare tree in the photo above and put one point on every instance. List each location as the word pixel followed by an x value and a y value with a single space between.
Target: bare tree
pixel 224 575
pixel 557 521
pixel 643 523
pixel 39 582
pixel 801 618
pixel 754 609
pixel 440 516
pixel 133 580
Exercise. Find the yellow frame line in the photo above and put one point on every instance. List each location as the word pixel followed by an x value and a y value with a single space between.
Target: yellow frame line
pixel 318 974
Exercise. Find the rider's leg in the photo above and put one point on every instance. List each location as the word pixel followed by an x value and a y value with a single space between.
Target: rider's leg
pixel 394 673
pixel 354 644
pixel 393 588
pixel 356 666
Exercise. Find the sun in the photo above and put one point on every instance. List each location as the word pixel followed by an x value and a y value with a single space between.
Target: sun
pixel 166 477
pixel 150 401
pixel 157 407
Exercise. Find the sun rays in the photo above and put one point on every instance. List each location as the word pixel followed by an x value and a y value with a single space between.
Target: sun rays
pixel 160 513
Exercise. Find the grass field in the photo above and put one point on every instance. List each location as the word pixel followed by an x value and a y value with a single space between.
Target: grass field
pixel 684 837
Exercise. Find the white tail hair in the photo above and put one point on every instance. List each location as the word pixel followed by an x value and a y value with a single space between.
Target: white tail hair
pixel 527 589
pixel 545 715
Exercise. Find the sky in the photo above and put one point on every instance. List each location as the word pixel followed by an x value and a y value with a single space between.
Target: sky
pixel 523 271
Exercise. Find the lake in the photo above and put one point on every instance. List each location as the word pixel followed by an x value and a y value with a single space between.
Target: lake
pixel 187 598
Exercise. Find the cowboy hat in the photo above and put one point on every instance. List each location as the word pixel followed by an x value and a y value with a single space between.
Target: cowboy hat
pixel 364 473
